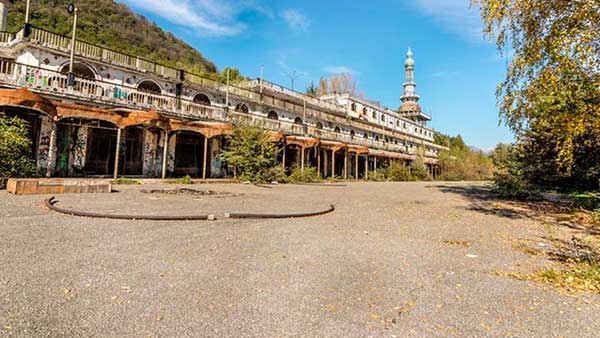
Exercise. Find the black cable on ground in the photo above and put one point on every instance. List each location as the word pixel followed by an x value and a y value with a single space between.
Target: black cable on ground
pixel 50 203
pixel 264 216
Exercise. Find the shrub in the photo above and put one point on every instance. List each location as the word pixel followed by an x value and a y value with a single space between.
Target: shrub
pixel 588 200
pixel 398 172
pixel 418 170
pixel 252 153
pixel 182 180
pixel 15 149
pixel 125 181
pixel 378 176
pixel 308 175
pixel 510 181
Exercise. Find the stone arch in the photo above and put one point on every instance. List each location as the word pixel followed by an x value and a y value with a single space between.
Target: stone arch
pixel 202 99
pixel 298 121
pixel 337 130
pixel 149 86
pixel 319 125
pixel 273 115
pixel 352 133
pixel 242 108
pixel 82 70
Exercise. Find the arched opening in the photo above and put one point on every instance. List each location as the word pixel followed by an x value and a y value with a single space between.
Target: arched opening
pixel 298 121
pixel 336 129
pixel 376 137
pixel 148 86
pixel 353 106
pixel 352 133
pixel 80 70
pixel 202 99
pixel 242 108
pixel 272 115
pixel 319 126
pixel 366 136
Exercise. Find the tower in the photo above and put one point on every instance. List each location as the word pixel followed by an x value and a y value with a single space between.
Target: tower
pixel 410 107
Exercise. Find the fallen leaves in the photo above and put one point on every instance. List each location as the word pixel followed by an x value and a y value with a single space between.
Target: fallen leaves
pixel 576 278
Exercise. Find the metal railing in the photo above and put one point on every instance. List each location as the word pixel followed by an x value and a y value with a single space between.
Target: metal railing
pixel 60 42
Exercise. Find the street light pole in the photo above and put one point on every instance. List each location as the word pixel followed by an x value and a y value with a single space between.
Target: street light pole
pixel 72 9
pixel 227 90
pixel 27 11
pixel 262 71
pixel 293 75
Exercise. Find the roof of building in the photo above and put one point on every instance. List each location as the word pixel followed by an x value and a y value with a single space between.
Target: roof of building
pixel 410 107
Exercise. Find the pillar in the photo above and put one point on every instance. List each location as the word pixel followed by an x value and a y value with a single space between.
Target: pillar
pixel 204 155
pixel 345 164
pixel 117 151
pixel 302 158
pixel 332 163
pixel 165 155
pixel 51 150
pixel 367 167
pixel 375 165
pixel 356 166
pixel 319 162
pixel 283 157
pixel 3 14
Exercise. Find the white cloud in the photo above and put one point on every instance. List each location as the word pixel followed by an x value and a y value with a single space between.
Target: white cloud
pixel 444 74
pixel 455 15
pixel 340 70
pixel 297 21
pixel 216 18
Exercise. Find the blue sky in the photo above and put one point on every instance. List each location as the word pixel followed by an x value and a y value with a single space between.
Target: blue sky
pixel 457 71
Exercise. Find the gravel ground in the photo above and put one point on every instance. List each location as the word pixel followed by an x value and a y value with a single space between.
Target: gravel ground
pixel 379 266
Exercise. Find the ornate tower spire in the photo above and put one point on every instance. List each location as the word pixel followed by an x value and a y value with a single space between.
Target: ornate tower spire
pixel 410 93
pixel 410 107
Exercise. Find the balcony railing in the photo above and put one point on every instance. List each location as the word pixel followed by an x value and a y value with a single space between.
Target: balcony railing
pixel 51 82
pixel 55 41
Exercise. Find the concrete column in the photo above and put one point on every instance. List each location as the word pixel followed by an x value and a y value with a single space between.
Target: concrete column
pixel 302 158
pixel 375 165
pixel 319 162
pixel 204 157
pixel 356 166
pixel 117 151
pixel 332 163
pixel 345 164
pixel 165 155
pixel 51 151
pixel 367 167
pixel 283 157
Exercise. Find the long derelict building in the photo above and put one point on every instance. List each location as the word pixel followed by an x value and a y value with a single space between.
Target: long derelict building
pixel 121 115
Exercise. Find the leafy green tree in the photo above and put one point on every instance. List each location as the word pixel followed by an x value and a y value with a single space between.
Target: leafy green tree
pixel 15 149
pixel 418 168
pixel 253 155
pixel 234 76
pixel 551 95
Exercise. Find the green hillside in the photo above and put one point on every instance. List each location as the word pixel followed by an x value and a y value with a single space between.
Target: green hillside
pixel 115 26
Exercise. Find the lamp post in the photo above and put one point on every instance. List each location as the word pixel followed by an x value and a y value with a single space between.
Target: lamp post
pixel 293 75
pixel 27 12
pixel 72 10
pixel 262 71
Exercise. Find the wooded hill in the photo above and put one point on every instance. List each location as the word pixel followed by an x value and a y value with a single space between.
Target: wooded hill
pixel 114 26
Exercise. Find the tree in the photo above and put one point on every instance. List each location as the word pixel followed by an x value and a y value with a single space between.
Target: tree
pixel 343 83
pixel 312 90
pixel 15 149
pixel 550 97
pixel 234 76
pixel 252 153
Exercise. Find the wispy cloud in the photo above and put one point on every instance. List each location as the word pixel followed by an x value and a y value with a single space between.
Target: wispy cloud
pixel 340 70
pixel 454 15
pixel 216 18
pixel 445 74
pixel 297 21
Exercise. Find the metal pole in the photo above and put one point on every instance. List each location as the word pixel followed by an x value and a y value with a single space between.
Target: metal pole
pixel 117 150
pixel 71 81
pixel 27 12
pixel 204 159
pixel 227 90
pixel 165 153
pixel 262 71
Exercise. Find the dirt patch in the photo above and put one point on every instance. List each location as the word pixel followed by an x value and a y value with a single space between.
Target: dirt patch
pixel 188 191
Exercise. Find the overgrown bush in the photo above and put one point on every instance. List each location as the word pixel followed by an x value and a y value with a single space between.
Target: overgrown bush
pixel 377 176
pixel 308 175
pixel 418 169
pixel 398 172
pixel 510 180
pixel 588 200
pixel 252 153
pixel 15 149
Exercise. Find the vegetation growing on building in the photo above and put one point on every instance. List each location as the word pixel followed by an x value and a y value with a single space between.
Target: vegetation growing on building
pixel 15 149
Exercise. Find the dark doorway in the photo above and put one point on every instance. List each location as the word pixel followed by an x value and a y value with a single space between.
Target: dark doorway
pixel 132 162
pixel 189 154
pixel 100 152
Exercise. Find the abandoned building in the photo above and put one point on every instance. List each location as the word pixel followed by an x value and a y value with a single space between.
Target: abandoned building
pixel 112 114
